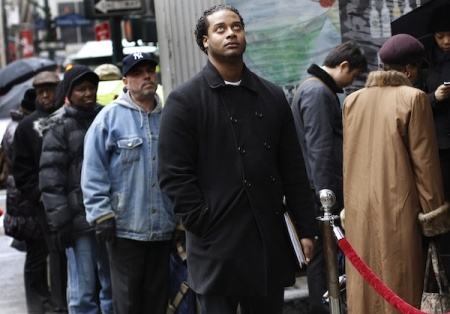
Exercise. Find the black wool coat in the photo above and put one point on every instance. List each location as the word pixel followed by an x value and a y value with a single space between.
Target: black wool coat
pixel 227 156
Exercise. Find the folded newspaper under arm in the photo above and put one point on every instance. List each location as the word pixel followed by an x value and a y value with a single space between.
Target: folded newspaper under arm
pixel 295 240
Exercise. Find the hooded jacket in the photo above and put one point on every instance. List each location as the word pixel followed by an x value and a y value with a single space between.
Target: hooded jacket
pixel 60 165
pixel 119 173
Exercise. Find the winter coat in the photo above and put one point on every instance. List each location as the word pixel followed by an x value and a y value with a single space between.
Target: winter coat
pixel 227 157
pixel 60 166
pixel 27 152
pixel 391 174
pixel 318 121
pixel 20 218
pixel 119 175
pixel 441 109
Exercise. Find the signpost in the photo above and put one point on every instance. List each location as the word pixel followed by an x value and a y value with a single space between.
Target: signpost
pixel 109 8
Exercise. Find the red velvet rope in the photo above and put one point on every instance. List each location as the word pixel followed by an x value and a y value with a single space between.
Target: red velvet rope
pixel 374 281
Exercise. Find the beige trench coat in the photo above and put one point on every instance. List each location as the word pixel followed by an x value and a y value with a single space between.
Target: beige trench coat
pixel 391 173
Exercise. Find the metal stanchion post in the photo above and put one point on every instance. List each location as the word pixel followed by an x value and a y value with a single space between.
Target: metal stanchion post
pixel 327 199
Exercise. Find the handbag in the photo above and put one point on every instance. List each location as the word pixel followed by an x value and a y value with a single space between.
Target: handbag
pixel 435 302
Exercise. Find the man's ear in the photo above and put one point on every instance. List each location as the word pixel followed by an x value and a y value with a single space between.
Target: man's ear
pixel 205 42
pixel 344 65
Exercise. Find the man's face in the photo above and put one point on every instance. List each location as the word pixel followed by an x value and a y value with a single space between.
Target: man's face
pixel 226 36
pixel 46 96
pixel 84 95
pixel 344 77
pixel 142 80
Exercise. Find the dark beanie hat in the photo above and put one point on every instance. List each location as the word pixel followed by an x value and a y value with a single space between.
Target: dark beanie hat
pixel 440 20
pixel 402 49
pixel 76 75
pixel 28 101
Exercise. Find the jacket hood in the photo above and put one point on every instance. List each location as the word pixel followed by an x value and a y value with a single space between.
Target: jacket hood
pixel 42 125
pixel 125 100
pixel 387 78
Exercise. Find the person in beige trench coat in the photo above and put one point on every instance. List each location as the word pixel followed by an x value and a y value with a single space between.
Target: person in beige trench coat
pixel 391 174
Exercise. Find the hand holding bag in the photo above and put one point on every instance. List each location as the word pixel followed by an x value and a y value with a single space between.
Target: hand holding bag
pixel 435 302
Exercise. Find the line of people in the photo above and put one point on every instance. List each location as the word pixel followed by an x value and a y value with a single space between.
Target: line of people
pixel 224 160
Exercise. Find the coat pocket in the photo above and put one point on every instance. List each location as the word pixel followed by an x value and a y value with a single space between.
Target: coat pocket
pixel 129 149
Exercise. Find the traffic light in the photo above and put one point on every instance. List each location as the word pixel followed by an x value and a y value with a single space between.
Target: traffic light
pixel 139 27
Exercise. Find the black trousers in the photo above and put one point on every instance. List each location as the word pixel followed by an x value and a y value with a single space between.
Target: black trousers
pixel 139 276
pixel 57 265
pixel 37 293
pixel 443 241
pixel 317 280
pixel 271 304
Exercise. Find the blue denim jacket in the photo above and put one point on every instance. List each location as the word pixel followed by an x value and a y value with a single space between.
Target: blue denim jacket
pixel 119 173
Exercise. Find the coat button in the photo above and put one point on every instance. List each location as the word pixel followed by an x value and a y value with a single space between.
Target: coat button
pixel 247 184
pixel 258 114
pixel 241 150
pixel 233 119
pixel 267 146
pixel 129 144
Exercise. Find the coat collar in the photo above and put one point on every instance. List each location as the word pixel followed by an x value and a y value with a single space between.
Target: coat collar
pixel 387 78
pixel 215 80
pixel 321 74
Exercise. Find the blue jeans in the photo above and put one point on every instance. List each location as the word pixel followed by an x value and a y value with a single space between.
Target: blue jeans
pixel 89 277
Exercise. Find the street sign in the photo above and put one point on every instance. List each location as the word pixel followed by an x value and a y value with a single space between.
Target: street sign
pixel 52 45
pixel 72 20
pixel 102 31
pixel 109 8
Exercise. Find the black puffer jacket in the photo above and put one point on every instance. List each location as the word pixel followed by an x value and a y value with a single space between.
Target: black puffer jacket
pixel 60 166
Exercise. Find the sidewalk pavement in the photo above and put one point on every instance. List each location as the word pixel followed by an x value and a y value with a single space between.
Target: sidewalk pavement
pixel 12 291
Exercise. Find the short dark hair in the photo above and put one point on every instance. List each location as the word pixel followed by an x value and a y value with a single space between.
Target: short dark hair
pixel 201 28
pixel 348 51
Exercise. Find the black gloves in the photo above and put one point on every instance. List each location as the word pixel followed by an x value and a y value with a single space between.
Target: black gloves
pixel 106 230
pixel 64 237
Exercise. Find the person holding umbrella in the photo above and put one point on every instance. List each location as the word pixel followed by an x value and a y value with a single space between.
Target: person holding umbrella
pixel 437 85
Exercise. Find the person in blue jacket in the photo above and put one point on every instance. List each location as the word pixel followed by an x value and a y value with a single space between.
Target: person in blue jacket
pixel 121 192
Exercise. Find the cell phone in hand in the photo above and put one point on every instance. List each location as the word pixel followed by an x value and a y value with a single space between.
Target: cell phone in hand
pixel 447 83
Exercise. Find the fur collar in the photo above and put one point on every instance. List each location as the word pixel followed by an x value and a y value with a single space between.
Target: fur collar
pixel 387 78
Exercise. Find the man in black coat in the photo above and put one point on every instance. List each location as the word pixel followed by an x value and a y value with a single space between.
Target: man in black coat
pixel 228 155
pixel 27 151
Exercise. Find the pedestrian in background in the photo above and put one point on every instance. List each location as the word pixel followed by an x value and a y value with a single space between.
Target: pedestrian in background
pixel 438 72
pixel 391 174
pixel 20 221
pixel 318 119
pixel 122 195
pixel 228 154
pixel 27 152
pixel 59 182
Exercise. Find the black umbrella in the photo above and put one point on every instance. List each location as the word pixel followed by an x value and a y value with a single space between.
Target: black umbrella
pixel 21 70
pixel 415 23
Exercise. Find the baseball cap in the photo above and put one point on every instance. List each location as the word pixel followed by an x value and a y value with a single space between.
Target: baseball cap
pixel 133 59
